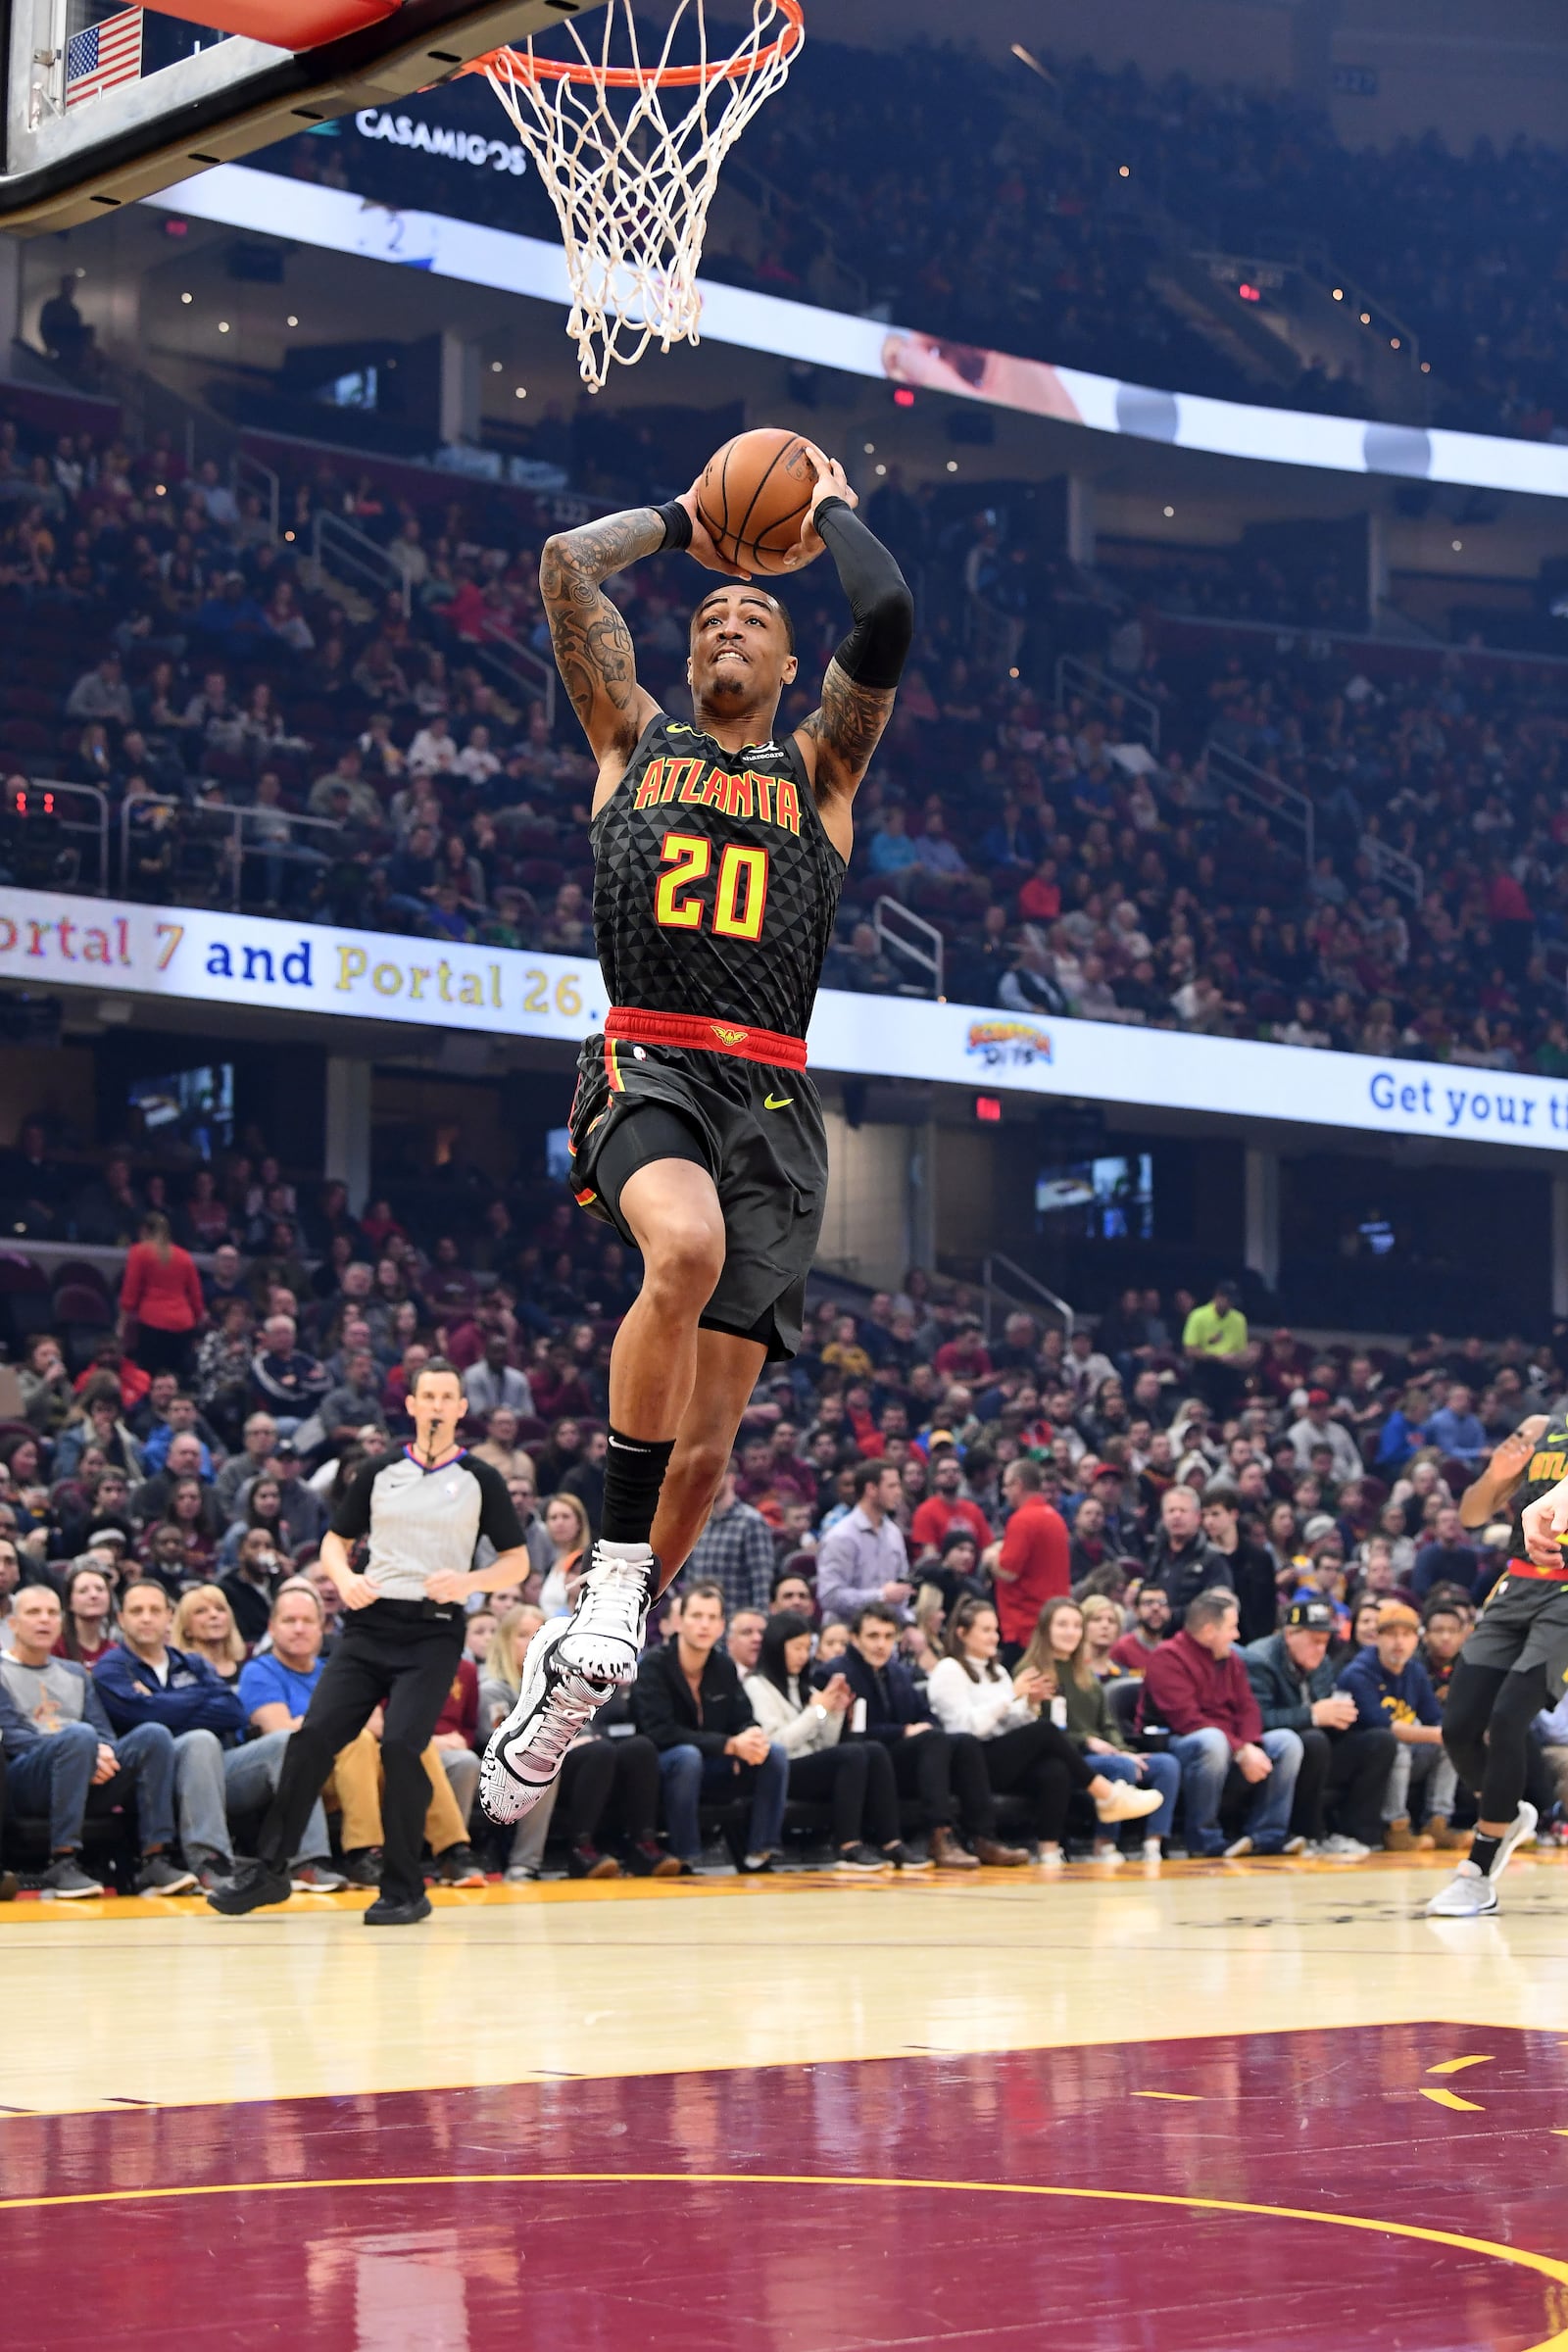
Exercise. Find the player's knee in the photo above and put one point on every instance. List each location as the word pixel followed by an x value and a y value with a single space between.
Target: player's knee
pixel 1519 1701
pixel 686 1258
pixel 702 1465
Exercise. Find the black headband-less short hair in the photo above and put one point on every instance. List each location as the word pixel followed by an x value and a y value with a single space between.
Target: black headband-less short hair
pixel 434 1364
pixel 763 596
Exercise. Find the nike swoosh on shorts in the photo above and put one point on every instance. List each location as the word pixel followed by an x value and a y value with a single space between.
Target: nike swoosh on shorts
pixel 779 1103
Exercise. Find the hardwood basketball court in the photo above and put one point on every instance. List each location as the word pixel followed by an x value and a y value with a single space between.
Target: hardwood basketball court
pixel 1220 2104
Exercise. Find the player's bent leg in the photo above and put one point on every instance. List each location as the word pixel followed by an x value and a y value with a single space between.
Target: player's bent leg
pixel 672 1210
pixel 727 1371
pixel 1472 1696
pixel 1507 1819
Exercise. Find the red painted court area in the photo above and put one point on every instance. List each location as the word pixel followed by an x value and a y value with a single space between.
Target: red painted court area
pixel 1177 2197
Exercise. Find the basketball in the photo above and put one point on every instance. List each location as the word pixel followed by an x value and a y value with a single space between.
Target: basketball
pixel 754 495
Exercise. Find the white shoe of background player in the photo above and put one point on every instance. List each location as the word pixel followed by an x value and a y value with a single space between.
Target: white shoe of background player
pixel 1469 1895
pixel 524 1754
pixel 605 1638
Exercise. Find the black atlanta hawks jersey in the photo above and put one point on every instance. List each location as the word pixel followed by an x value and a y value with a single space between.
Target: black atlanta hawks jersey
pixel 715 887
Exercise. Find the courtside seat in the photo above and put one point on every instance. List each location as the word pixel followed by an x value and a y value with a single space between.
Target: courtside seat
pixel 110 1851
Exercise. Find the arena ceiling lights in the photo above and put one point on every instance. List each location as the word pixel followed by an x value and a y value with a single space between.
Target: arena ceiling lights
pixel 78 143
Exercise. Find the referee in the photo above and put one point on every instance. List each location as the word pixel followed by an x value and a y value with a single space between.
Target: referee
pixel 423 1511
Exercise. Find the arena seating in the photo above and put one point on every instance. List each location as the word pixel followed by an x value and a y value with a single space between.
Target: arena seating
pixel 1334 1450
pixel 261 744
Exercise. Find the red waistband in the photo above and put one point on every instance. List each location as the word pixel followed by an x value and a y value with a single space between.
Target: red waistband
pixel 625 1025
pixel 1545 1576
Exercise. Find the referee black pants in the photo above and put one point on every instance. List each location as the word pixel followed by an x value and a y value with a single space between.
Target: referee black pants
pixel 395 1652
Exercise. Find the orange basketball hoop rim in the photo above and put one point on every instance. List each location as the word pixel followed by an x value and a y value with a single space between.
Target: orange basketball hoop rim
pixel 523 65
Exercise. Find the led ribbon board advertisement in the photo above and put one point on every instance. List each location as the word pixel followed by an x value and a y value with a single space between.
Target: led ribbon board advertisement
pixel 264 202
pixel 193 955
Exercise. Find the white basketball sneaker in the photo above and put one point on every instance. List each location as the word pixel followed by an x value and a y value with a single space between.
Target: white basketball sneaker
pixel 524 1756
pixel 605 1639
pixel 1470 1895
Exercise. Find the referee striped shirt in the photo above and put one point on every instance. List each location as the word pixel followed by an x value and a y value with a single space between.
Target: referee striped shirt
pixel 423 1523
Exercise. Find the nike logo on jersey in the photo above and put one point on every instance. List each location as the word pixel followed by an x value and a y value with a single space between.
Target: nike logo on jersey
pixel 778 1101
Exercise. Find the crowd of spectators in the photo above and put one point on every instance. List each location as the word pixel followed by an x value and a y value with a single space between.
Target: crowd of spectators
pixel 177 659
pixel 1038 218
pixel 922 1527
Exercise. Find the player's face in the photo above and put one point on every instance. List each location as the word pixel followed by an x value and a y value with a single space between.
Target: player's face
pixel 740 649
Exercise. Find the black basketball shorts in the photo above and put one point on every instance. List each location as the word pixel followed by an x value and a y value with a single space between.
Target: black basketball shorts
pixel 1523 1623
pixel 758 1129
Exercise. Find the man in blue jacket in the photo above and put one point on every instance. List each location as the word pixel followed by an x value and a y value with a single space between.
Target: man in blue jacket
pixel 146 1682
pixel 945 1770
pixel 1345 1763
pixel 60 1746
pixel 1393 1689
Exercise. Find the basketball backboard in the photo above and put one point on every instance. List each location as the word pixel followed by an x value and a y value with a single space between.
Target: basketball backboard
pixel 106 103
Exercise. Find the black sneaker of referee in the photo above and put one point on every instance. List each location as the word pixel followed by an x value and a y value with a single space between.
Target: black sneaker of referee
pixel 384 1912
pixel 251 1888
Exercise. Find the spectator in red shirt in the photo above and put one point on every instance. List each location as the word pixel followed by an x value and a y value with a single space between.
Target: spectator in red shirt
pixel 456 1730
pixel 1031 1566
pixel 1197 1684
pixel 161 1302
pixel 965 1357
pixel 1040 900
pixel 948 1506
pixel 1134 1650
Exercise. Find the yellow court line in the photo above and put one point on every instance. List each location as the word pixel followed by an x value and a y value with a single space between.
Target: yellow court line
pixel 1521 2257
pixel 1452 2098
pixel 1456 2066
pixel 1188 2098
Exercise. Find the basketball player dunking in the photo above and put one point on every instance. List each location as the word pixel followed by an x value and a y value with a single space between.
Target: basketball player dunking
pixel 719 854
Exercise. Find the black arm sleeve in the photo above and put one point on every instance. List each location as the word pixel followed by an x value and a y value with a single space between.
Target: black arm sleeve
pixel 352 1517
pixel 874 652
pixel 498 1514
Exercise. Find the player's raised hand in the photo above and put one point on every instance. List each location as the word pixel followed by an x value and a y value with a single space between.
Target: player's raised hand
pixel 701 548
pixel 1510 1457
pixel 1545 1524
pixel 831 482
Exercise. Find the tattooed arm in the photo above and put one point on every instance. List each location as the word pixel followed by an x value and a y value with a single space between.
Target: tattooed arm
pixel 858 693
pixel 593 644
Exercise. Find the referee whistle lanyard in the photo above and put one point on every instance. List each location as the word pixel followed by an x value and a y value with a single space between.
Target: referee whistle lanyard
pixel 436 1457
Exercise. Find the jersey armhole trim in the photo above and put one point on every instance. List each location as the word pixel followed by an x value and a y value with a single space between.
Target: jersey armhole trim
pixel 659 718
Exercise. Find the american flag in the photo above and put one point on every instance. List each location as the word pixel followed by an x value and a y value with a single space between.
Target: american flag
pixel 104 54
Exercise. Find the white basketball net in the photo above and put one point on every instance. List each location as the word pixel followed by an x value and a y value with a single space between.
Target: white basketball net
pixel 629 146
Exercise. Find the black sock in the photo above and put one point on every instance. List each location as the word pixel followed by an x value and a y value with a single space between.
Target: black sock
pixel 634 1472
pixel 1483 1853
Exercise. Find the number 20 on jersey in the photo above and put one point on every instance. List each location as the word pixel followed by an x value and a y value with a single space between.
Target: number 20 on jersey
pixel 740 895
